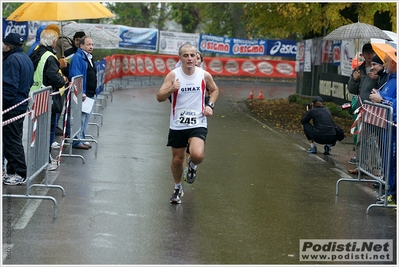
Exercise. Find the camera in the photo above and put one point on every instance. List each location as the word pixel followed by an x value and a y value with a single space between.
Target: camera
pixel 308 106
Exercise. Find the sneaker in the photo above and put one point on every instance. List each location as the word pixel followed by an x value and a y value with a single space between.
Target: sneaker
pixel 352 161
pixel 312 150
pixel 53 165
pixel 177 194
pixel 55 145
pixel 327 149
pixel 87 144
pixel 5 176
pixel 14 179
pixel 381 198
pixel 191 173
pixel 390 201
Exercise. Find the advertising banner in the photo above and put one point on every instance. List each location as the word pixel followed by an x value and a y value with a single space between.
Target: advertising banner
pixel 336 53
pixel 245 47
pixel 327 51
pixel 347 54
pixel 215 44
pixel 308 56
pixel 17 27
pixel 169 42
pixel 232 46
pixel 143 39
pixel 281 48
pixel 118 66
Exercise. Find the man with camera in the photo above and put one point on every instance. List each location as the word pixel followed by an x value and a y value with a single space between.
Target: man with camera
pixel 322 128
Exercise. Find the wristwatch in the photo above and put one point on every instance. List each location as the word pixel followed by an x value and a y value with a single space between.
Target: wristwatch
pixel 210 104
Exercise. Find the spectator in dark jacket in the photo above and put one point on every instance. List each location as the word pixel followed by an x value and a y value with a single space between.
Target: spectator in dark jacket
pixel 17 80
pixel 360 83
pixel 322 130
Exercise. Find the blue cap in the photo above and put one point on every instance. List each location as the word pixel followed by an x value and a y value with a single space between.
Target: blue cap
pixel 14 39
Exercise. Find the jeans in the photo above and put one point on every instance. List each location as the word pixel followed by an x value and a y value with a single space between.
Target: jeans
pixel 83 126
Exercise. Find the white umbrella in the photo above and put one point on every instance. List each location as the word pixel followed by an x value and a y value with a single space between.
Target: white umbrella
pixel 100 36
pixel 392 35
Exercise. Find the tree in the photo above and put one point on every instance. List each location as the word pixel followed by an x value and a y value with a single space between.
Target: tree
pixel 134 14
pixel 187 15
pixel 309 20
pixel 9 7
pixel 223 19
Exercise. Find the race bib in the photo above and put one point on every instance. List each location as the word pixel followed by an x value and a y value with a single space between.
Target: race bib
pixel 188 117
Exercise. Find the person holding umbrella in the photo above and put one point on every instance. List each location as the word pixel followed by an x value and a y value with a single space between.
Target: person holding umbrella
pixel 76 39
pixel 360 83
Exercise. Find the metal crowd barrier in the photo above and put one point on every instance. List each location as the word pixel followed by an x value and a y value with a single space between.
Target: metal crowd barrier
pixel 375 148
pixel 38 146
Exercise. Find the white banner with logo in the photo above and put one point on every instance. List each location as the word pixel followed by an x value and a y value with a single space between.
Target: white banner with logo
pixel 169 42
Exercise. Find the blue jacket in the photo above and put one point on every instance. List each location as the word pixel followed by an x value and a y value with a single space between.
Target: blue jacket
pixel 17 78
pixel 37 42
pixel 79 66
pixel 388 93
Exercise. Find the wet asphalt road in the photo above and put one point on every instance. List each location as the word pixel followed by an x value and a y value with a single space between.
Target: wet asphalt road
pixel 257 194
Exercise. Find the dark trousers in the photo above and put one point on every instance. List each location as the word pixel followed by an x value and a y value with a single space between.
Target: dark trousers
pixel 321 139
pixel 12 144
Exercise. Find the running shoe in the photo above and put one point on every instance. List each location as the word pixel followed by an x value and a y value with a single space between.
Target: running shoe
pixel 177 194
pixel 14 179
pixel 5 176
pixel 53 165
pixel 352 161
pixel 191 173
pixel 312 150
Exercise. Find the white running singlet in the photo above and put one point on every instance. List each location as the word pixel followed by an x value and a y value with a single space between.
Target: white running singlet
pixel 188 103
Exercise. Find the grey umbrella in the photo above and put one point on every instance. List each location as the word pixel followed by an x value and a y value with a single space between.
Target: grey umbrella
pixel 357 30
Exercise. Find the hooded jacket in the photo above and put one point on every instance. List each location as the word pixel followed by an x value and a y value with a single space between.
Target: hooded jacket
pixel 37 42
pixel 17 78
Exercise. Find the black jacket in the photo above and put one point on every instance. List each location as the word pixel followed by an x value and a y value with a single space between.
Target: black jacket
pixel 51 75
pixel 322 120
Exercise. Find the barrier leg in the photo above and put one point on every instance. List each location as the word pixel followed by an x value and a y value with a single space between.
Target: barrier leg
pixel 37 197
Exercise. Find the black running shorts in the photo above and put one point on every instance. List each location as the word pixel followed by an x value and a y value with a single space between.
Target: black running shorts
pixel 179 138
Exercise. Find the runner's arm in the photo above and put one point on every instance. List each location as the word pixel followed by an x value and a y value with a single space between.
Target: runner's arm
pixel 168 87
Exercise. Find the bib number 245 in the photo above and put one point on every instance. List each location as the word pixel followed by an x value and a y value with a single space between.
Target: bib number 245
pixel 188 120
